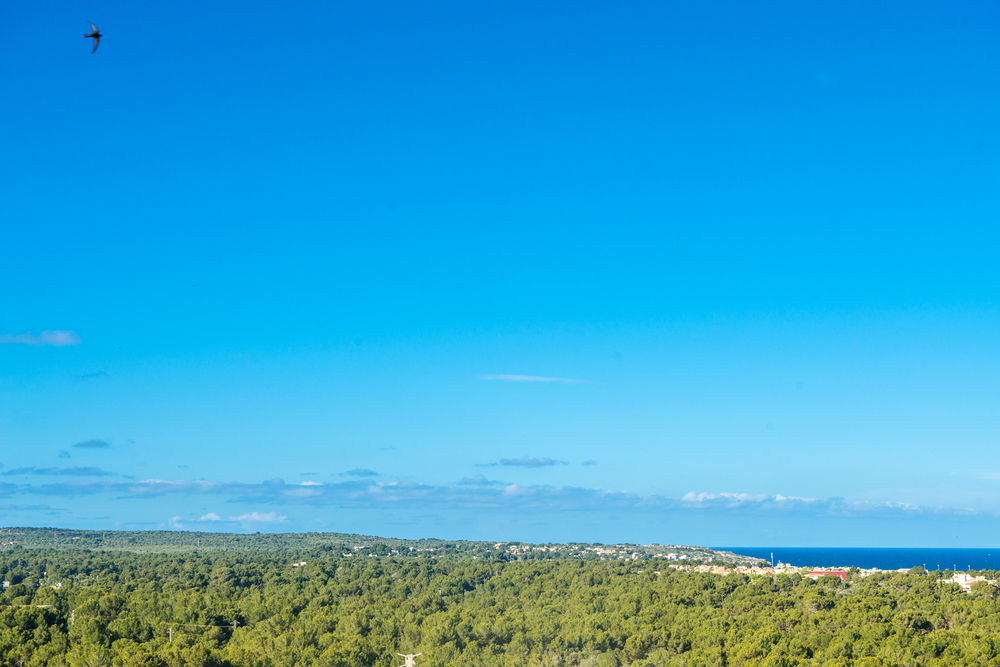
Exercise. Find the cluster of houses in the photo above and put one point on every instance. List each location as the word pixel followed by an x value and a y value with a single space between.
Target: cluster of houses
pixel 964 580
pixel 606 551
pixel 967 581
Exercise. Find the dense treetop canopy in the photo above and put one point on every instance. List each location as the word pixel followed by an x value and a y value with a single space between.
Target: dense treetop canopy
pixel 317 606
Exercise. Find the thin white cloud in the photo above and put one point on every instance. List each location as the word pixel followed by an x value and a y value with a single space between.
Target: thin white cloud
pixel 530 378
pixel 703 497
pixel 211 516
pixel 780 501
pixel 50 338
pixel 778 498
pixel 153 487
pixel 525 462
pixel 731 499
pixel 260 517
pixel 909 507
pixel 739 498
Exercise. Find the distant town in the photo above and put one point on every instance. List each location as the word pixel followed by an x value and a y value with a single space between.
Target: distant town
pixel 964 580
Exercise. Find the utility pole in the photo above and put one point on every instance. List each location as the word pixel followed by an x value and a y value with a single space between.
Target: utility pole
pixel 410 659
pixel 170 634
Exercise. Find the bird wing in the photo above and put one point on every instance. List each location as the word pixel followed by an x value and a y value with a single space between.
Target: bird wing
pixel 94 27
pixel 97 40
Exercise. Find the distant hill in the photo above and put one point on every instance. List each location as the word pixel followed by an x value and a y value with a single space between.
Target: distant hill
pixel 315 544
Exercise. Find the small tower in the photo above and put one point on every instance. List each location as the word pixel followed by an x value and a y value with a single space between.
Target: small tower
pixel 410 658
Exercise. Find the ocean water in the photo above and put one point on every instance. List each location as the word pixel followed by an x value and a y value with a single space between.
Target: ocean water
pixel 884 559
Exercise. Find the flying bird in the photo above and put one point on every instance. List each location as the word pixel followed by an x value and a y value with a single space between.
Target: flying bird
pixel 96 35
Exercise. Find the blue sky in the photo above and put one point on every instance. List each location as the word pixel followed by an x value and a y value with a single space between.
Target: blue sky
pixel 716 273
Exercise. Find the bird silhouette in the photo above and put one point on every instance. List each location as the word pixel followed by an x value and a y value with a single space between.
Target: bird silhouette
pixel 96 35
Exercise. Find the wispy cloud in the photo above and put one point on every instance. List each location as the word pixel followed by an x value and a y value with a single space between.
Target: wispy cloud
pixel 530 378
pixel 260 517
pixel 50 338
pixel 29 508
pixel 525 462
pixel 589 462
pixel 92 444
pixel 359 472
pixel 480 480
pixel 731 499
pixel 211 516
pixel 778 501
pixel 80 471
pixel 703 497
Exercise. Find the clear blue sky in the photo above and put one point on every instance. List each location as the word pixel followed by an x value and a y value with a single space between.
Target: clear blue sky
pixel 301 266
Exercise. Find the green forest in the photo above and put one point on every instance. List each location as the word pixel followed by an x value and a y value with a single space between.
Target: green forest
pixel 314 604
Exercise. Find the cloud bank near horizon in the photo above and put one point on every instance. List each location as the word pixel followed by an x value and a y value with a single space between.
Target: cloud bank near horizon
pixel 47 338
pixel 469 493
pixel 481 508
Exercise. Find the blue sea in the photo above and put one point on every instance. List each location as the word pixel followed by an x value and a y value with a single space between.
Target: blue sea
pixel 883 559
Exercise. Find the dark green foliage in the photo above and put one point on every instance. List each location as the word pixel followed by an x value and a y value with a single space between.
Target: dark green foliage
pixel 253 608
